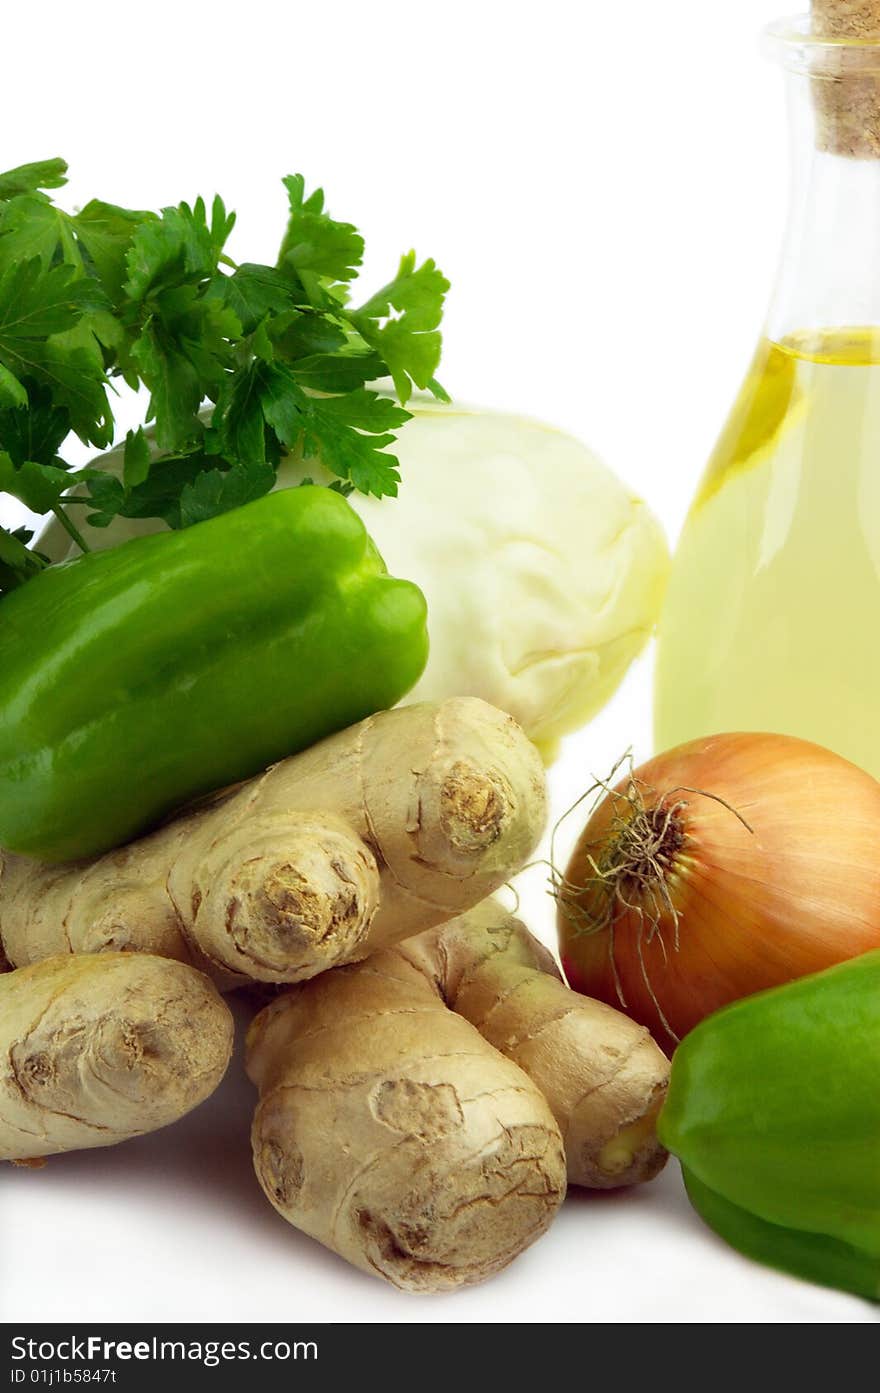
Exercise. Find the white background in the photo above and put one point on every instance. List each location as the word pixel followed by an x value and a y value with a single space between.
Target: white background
pixel 605 184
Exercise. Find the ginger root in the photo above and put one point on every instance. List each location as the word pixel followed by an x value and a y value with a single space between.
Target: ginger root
pixel 423 1143
pixel 374 834
pixel 602 1074
pixel 98 1049
pixel 389 1130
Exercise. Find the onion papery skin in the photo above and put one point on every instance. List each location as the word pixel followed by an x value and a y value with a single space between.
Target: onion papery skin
pixel 797 893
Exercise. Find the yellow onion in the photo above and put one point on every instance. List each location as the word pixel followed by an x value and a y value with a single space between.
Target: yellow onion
pixel 720 868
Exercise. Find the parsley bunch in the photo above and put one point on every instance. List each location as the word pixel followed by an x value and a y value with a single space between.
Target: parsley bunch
pixel 279 351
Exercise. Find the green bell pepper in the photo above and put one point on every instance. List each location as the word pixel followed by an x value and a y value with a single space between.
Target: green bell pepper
pixel 774 1111
pixel 136 679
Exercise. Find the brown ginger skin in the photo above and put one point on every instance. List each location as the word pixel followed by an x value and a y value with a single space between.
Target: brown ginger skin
pixel 393 1133
pixel 95 1050
pixel 374 834
pixel 413 1107
pixel 602 1074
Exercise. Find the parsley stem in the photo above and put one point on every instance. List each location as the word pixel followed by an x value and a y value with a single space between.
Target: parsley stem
pixel 70 528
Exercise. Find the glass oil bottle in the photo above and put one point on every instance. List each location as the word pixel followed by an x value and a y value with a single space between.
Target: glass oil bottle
pixel 772 620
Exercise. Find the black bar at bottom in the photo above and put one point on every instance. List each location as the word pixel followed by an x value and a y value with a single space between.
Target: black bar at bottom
pixel 163 1358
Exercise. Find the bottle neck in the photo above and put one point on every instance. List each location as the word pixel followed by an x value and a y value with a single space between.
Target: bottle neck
pixel 830 273
pixel 829 278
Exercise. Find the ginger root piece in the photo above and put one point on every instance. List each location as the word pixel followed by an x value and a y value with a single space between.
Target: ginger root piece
pixel 381 831
pixel 407 1103
pixel 95 1050
pixel 393 1133
pixel 602 1074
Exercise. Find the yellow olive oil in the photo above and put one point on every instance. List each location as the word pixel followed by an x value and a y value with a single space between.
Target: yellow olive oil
pixel 772 620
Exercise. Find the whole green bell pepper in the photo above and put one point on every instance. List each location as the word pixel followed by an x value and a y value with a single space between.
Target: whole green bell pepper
pixel 136 679
pixel 774 1111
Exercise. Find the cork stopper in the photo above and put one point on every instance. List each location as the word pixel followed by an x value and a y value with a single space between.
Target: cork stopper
pixel 846 19
pixel 847 97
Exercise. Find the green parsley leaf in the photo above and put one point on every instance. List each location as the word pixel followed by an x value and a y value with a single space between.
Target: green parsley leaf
pixel 27 178
pixel 32 226
pixel 317 248
pixel 42 337
pixel 350 435
pixel 137 458
pixel 36 301
pixel 338 372
pixel 400 323
pixel 107 496
pixel 106 232
pixel 180 247
pixel 176 390
pixel 283 403
pixel 253 292
pixel 17 563
pixel 306 334
pixel 277 352
pixel 158 496
pixel 183 349
pixel 216 491
pixel 260 343
pixel 239 421
pixel 438 391
pixel 11 391
pixel 37 486
pixel 73 363
pixel 38 432
pixel 366 411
